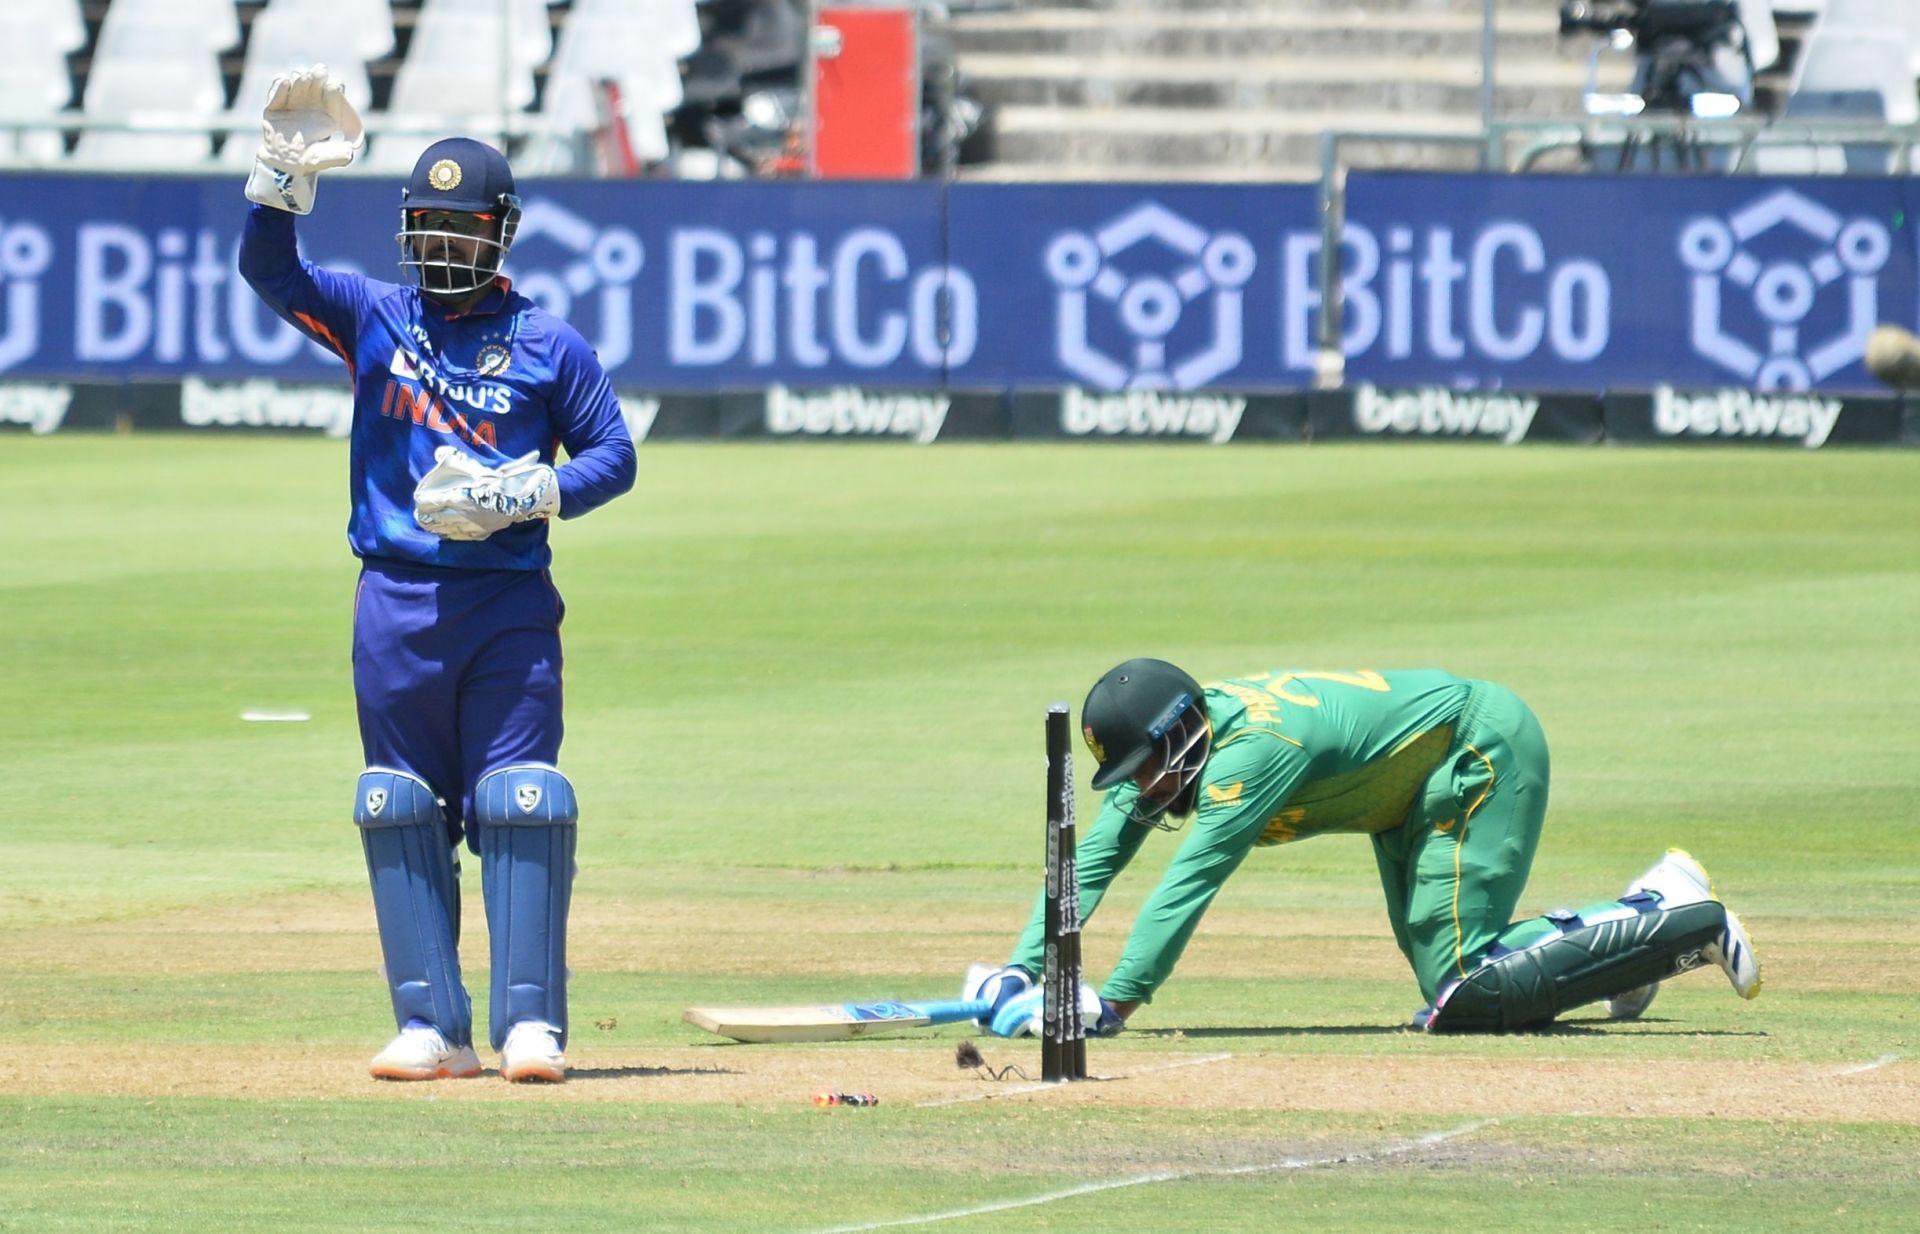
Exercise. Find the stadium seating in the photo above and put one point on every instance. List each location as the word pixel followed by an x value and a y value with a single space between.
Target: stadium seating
pixel 138 73
pixel 635 48
pixel 1859 63
pixel 1083 88
pixel 36 82
pixel 155 69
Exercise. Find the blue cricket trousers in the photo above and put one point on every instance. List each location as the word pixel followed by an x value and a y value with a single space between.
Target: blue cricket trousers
pixel 456 672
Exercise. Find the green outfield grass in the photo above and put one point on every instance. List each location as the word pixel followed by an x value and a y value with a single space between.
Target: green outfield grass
pixel 805 697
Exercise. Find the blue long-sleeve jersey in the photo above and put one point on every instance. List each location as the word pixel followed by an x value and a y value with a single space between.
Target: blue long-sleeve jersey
pixel 503 379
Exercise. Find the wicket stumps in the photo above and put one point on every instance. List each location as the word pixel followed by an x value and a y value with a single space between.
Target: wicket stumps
pixel 1063 1037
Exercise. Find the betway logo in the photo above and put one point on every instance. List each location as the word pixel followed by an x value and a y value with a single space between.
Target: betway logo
pixel 848 411
pixel 263 404
pixel 1742 413
pixel 639 411
pixel 1150 413
pixel 1433 411
pixel 41 408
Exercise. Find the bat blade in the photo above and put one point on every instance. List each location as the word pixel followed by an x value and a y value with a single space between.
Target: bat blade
pixel 829 1021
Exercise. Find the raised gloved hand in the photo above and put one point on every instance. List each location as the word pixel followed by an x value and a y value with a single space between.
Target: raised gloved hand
pixel 462 498
pixel 307 127
pixel 996 986
pixel 1020 1015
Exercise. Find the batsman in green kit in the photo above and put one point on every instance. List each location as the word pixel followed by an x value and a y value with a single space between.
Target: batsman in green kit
pixel 1448 779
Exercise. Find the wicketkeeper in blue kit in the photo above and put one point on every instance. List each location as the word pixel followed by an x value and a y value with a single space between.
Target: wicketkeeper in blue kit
pixel 464 393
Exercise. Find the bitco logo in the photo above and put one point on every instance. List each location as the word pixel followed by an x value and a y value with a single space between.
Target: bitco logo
pixel 1143 270
pixel 25 253
pixel 800 298
pixel 1826 258
pixel 597 264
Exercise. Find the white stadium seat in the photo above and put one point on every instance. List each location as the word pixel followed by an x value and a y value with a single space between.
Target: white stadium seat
pixel 364 25
pixel 675 23
pixel 153 67
pixel 36 83
pixel 1847 71
pixel 62 20
pixel 1839 57
pixel 1896 21
pixel 528 27
pixel 216 20
pixel 622 46
pixel 455 77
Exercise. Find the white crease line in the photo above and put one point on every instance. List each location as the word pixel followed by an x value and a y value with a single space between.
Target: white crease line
pixel 1166 1176
pixel 1047 1084
pixel 1875 1065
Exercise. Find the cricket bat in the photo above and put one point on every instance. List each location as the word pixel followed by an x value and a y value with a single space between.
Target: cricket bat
pixel 829 1021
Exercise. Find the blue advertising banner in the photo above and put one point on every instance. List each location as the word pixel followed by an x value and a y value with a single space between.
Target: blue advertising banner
pixel 696 286
pixel 1135 291
pixel 1142 287
pixel 1591 282
pixel 674 284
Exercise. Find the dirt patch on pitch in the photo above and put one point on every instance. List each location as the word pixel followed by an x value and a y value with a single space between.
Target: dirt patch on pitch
pixel 925 1074
pixel 1203 1069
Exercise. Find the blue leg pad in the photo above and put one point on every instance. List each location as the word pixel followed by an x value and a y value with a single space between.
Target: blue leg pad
pixel 525 816
pixel 416 900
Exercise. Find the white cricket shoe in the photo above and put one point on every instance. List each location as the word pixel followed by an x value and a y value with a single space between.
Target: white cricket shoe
pixel 1631 1004
pixel 420 1052
pixel 532 1052
pixel 1677 879
pixel 1734 954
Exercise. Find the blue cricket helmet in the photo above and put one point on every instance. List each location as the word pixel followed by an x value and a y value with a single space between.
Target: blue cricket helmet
pixel 458 215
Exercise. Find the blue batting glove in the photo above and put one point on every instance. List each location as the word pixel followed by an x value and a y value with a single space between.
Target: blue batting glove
pixel 995 986
pixel 1020 1016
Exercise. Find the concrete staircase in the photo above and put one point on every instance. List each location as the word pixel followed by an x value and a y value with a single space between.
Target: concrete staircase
pixel 1241 89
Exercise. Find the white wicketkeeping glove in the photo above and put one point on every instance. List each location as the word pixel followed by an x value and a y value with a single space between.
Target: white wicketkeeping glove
pixel 307 127
pixel 464 499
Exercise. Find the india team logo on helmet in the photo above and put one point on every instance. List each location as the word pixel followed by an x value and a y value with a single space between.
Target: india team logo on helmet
pixel 444 175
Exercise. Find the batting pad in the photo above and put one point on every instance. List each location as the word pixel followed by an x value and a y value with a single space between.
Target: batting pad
pixel 1528 988
pixel 415 900
pixel 525 816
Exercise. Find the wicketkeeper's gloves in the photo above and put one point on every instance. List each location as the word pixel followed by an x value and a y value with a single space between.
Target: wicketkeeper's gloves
pixel 307 127
pixel 464 499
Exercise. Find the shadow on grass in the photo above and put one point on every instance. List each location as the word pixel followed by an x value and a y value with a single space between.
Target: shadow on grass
pixel 1271 1030
pixel 1600 1028
pixel 641 1073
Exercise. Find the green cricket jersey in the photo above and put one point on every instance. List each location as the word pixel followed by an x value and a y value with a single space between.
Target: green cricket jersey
pixel 1295 754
